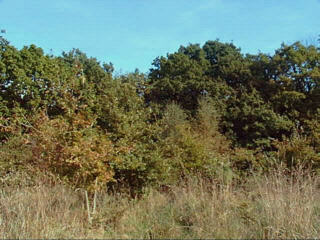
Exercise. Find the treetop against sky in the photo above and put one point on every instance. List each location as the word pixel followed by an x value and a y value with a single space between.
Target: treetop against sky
pixel 131 33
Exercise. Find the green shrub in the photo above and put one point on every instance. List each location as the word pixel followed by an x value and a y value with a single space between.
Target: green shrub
pixel 298 151
pixel 195 146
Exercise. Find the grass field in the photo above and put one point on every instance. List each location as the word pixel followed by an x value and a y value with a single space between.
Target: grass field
pixel 274 206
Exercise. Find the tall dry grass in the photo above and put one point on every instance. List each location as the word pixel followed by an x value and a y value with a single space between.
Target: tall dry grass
pixel 274 206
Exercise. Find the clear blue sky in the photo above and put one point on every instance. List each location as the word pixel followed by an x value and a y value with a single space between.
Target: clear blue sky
pixel 131 33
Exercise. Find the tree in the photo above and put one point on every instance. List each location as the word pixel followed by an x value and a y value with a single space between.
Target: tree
pixel 251 121
pixel 182 77
pixel 295 72
pixel 178 78
pixel 226 63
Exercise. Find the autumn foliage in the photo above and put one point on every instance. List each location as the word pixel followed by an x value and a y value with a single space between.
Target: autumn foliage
pixel 203 110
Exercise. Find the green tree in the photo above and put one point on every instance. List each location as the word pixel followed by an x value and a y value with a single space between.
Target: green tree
pixel 226 63
pixel 179 77
pixel 251 122
pixel 295 72
pixel 182 77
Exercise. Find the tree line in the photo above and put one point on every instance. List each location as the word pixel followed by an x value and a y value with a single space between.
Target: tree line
pixel 208 110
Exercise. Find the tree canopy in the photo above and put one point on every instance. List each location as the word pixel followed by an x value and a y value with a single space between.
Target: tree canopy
pixel 203 109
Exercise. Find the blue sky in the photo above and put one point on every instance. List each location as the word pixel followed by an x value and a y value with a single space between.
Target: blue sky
pixel 131 33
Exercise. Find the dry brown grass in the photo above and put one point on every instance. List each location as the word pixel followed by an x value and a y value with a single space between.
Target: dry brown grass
pixel 273 206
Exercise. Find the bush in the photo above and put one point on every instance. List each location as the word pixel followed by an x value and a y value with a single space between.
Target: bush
pixel 72 150
pixel 195 146
pixel 298 151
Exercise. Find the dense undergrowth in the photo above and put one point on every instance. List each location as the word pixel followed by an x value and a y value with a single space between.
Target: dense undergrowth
pixel 207 111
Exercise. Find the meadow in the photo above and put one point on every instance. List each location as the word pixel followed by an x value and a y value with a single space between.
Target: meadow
pixel 273 206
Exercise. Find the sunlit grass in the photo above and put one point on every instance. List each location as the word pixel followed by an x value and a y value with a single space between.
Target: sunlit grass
pixel 274 206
